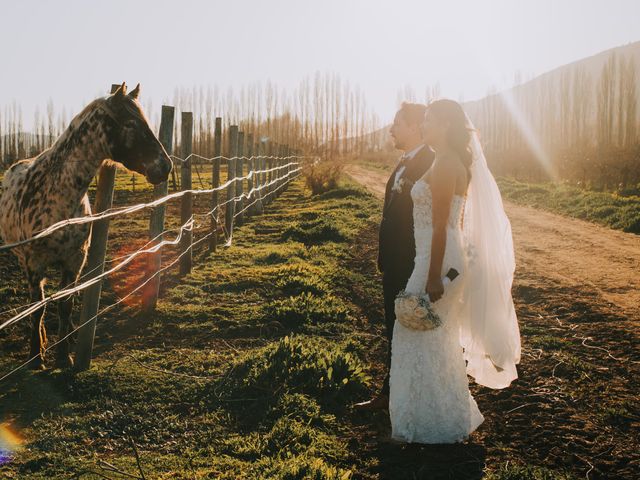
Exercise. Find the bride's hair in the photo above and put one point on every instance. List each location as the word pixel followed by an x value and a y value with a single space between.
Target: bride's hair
pixel 458 134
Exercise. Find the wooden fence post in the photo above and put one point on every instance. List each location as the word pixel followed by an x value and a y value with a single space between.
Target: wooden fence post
pixel 269 159
pixel 239 174
pixel 263 166
pixel 298 153
pixel 287 170
pixel 95 264
pixel 251 181
pixel 186 204
pixel 259 182
pixel 281 171
pixel 215 183
pixel 275 173
pixel 156 223
pixel 231 173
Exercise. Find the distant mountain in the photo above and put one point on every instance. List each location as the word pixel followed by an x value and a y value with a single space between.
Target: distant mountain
pixel 591 66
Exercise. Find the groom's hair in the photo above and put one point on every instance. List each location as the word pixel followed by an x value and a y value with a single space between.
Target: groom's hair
pixel 412 113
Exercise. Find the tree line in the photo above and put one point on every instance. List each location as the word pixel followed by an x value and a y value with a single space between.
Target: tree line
pixel 572 126
pixel 322 115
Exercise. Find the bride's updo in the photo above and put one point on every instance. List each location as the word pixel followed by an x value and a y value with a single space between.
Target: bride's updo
pixel 458 134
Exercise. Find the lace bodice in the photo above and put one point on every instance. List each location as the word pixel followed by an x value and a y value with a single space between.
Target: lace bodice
pixel 422 219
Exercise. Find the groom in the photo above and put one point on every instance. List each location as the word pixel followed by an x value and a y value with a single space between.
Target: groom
pixel 396 249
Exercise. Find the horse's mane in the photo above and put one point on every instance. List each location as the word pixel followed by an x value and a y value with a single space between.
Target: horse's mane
pixel 77 120
pixel 132 107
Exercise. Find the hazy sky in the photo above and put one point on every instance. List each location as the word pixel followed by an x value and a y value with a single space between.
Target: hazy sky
pixel 72 50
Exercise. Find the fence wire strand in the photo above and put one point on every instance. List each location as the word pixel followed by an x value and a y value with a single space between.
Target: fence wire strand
pixel 117 211
pixel 188 225
pixel 109 307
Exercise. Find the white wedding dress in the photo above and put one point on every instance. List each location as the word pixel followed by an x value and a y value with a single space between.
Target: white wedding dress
pixel 429 399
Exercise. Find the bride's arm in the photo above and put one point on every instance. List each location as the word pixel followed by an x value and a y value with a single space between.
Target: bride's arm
pixel 443 184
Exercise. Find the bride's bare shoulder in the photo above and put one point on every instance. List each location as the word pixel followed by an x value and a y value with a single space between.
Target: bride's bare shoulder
pixel 451 160
pixel 446 166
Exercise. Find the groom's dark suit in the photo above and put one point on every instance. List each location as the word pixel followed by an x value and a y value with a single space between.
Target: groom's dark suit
pixel 396 251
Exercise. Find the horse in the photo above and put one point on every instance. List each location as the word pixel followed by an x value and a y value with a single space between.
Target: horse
pixel 52 186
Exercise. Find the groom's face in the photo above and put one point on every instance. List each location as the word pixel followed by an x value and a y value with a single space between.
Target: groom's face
pixel 403 133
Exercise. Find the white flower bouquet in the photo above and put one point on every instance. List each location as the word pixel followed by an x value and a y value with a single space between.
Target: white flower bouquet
pixel 416 312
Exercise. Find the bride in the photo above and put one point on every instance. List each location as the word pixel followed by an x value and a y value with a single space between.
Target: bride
pixel 459 222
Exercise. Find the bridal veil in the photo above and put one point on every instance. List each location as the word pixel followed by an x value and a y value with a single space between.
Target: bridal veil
pixel 489 331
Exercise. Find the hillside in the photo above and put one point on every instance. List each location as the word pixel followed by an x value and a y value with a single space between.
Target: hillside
pixel 590 66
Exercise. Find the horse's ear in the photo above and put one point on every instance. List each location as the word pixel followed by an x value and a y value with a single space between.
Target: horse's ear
pixel 121 91
pixel 135 92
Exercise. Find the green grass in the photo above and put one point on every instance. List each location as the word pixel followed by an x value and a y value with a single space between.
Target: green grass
pixel 621 212
pixel 250 363
pixel 266 408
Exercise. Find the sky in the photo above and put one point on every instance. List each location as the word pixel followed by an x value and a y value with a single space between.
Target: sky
pixel 71 51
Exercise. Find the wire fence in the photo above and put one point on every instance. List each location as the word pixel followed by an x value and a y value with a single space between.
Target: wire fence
pixel 130 293
pixel 120 211
pixel 266 176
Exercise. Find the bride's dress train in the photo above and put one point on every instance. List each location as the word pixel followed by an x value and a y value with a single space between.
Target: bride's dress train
pixel 429 400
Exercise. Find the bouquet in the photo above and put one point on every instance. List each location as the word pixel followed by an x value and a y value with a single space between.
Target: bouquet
pixel 416 311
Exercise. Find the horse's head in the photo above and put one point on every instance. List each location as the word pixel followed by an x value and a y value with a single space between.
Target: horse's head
pixel 132 142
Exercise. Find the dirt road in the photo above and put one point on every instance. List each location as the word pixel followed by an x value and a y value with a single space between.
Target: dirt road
pixel 571 253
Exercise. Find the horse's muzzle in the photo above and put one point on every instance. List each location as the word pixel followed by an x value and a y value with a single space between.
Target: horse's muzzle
pixel 158 172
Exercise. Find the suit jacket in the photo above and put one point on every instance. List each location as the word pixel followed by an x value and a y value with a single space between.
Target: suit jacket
pixel 396 247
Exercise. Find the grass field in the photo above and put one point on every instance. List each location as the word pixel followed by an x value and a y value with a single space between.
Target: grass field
pixel 250 364
pixel 621 212
pixel 262 350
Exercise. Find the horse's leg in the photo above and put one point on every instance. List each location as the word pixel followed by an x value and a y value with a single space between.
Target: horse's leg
pixel 65 325
pixel 38 343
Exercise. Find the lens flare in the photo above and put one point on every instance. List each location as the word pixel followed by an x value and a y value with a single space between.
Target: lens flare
pixel 10 442
pixel 124 281
pixel 527 132
pixel 510 102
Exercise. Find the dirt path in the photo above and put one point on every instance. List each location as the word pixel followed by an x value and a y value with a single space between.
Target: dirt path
pixel 568 252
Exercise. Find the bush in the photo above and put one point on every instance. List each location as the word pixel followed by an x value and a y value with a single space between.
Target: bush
pixel 321 177
pixel 316 469
pixel 272 258
pixel 299 407
pixel 296 279
pixel 289 449
pixel 314 232
pixel 632 191
pixel 306 308
pixel 345 192
pixel 286 437
pixel 301 365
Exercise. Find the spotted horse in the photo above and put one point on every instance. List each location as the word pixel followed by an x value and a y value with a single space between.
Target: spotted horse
pixel 51 187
